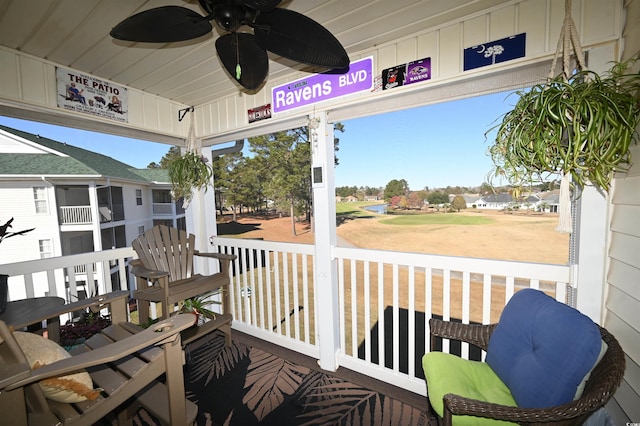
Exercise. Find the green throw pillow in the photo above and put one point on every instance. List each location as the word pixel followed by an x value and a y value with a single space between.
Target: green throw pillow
pixel 446 373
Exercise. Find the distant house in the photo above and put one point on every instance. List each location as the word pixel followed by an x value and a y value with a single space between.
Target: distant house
pixel 351 199
pixel 550 201
pixel 494 201
pixel 470 199
pixel 77 200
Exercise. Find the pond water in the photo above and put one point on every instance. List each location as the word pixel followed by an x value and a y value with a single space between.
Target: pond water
pixel 378 208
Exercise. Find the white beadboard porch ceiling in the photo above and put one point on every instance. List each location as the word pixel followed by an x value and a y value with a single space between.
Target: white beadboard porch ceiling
pixel 75 34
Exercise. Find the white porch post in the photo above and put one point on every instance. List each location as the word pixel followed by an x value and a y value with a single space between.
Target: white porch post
pixel 324 217
pixel 201 221
pixel 591 252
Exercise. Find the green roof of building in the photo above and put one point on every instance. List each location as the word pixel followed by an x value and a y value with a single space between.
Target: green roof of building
pixel 79 162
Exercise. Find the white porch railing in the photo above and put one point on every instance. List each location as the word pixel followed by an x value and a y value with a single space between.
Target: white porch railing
pixel 386 298
pixel 56 276
pixel 75 215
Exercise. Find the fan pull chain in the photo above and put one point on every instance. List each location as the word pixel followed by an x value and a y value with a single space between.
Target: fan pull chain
pixel 238 67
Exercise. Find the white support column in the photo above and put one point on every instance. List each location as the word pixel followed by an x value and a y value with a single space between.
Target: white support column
pixel 324 216
pixel 591 245
pixel 201 221
pixel 97 244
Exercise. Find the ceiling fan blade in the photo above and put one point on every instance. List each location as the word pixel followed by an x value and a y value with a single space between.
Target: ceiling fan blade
pixel 297 37
pixel 162 25
pixel 261 5
pixel 244 60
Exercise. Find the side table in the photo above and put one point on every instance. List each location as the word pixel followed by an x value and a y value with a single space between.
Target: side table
pixel 27 312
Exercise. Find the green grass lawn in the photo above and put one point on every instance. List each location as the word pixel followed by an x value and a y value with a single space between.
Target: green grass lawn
pixel 437 219
pixel 356 210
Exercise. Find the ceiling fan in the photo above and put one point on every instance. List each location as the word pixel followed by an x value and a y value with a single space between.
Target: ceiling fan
pixel 244 55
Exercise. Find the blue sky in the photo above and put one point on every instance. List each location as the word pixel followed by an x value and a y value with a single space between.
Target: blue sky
pixel 434 146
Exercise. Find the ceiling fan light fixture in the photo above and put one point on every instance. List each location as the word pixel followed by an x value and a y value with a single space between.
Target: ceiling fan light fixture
pixel 244 55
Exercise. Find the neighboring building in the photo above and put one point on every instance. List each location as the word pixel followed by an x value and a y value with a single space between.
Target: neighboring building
pixel 494 201
pixel 77 200
pixel 542 201
pixel 549 201
pixel 470 199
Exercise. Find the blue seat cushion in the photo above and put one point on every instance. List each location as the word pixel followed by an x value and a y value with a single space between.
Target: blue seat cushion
pixel 542 349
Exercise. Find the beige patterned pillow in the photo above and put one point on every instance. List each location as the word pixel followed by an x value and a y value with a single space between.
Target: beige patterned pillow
pixel 39 351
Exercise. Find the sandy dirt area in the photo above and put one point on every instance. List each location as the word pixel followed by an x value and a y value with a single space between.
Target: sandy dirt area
pixel 519 237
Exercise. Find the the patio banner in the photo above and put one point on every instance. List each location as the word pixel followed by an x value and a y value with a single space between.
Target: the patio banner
pixel 321 87
pixel 90 95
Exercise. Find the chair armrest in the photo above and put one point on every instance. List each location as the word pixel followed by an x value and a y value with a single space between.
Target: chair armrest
pixel 461 406
pixel 219 256
pixel 139 270
pixel 156 334
pixel 476 334
pixel 95 303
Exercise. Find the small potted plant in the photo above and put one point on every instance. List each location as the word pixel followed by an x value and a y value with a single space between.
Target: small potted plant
pixel 4 279
pixel 81 328
pixel 198 306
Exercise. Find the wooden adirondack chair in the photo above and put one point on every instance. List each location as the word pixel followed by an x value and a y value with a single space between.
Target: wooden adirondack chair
pixel 124 362
pixel 164 273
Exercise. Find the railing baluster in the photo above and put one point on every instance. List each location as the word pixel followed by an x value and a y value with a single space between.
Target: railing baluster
pixel 367 311
pixel 381 322
pixel 276 285
pixel 411 343
pixel 396 319
pixel 269 294
pixel 285 287
pixel 305 298
pixel 296 301
pixel 354 309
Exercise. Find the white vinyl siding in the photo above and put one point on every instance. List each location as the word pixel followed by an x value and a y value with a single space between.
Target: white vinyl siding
pixel 622 291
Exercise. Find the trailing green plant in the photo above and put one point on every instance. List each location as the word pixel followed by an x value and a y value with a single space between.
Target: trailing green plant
pixel 583 126
pixel 189 172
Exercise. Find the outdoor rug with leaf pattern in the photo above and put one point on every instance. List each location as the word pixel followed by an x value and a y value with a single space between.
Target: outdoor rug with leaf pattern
pixel 243 385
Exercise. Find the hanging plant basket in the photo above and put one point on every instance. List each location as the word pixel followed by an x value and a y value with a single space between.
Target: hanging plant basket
pixel 191 171
pixel 577 125
pixel 583 127
pixel 188 173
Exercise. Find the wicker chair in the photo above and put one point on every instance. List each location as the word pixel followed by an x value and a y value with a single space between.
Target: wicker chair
pixel 604 380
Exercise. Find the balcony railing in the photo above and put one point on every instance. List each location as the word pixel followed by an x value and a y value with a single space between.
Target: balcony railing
pixel 75 215
pixel 162 208
pixel 386 298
